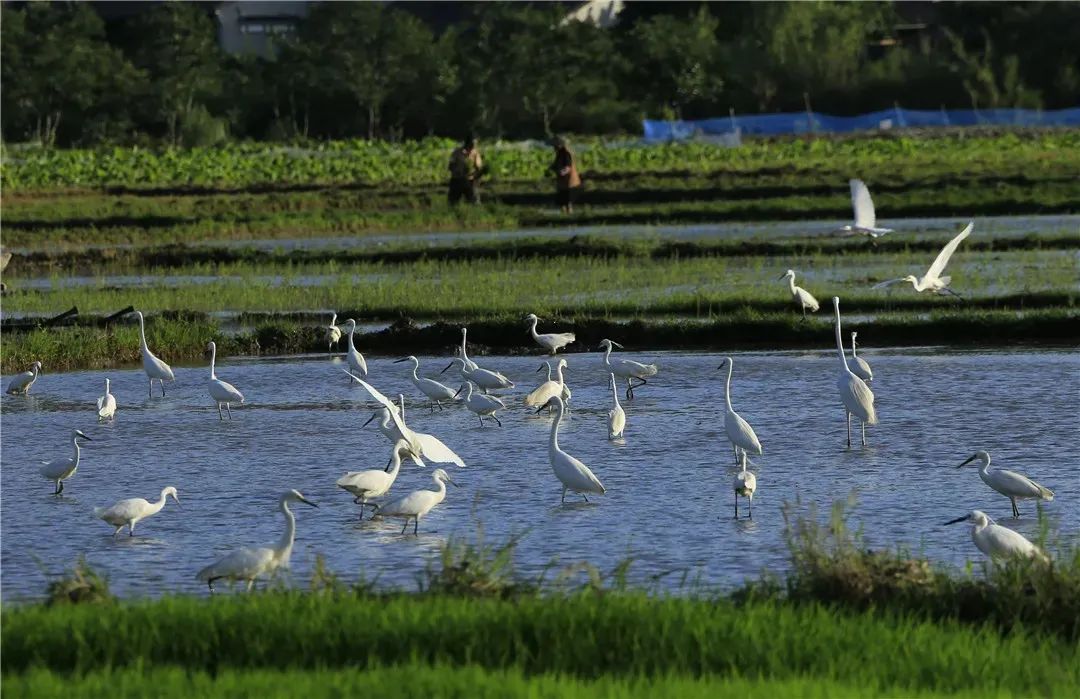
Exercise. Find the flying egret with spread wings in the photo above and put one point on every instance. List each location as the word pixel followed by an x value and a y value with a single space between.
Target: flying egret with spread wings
pixel 933 281
pixel 865 218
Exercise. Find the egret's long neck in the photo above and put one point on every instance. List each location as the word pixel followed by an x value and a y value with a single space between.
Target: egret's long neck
pixel 440 489
pixel 35 369
pixel 213 360
pixel 468 391
pixel 395 464
pixel 558 372
pixel 839 342
pixel 607 356
pixel 284 547
pixel 156 506
pixel 75 449
pixel 106 386
pixel 555 427
pixel 352 329
pixel 463 354
pixel 548 370
pixel 727 388
pixel 142 332
pixel 791 282
pixel 614 394
pixel 853 355
pixel 532 329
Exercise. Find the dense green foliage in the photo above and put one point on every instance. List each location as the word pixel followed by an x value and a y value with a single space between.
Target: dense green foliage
pixel 410 69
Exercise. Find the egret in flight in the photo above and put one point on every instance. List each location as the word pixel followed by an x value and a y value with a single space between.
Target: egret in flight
pixel 250 563
pixel 1009 483
pixel 376 482
pixel 133 510
pixel 997 541
pixel 552 342
pixel 355 360
pixel 154 367
pixel 859 367
pixel 865 219
pixel 745 484
pixel 417 503
pixel 626 368
pixel 933 281
pixel 549 388
pixel 856 396
pixel 486 379
pixel 59 470
pixel 803 299
pixel 332 333
pixel 481 404
pixel 574 475
pixel 435 391
pixel 221 391
pixel 616 417
pixel 106 404
pixel 739 432
pixel 20 384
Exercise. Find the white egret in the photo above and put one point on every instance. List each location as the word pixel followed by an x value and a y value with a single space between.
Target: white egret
pixel 739 432
pixel 803 299
pixel 154 367
pixel 626 368
pixel 856 396
pixel 133 510
pixel 574 475
pixel 542 393
pixel 435 391
pixel 250 563
pixel 552 342
pixel 997 541
pixel 745 484
pixel 221 391
pixel 865 218
pixel 469 364
pixel 106 404
pixel 485 379
pixel 332 333
pixel 933 281
pixel 422 445
pixel 20 384
pixel 616 417
pixel 417 503
pixel 59 470
pixel 859 367
pixel 353 357
pixel 1009 483
pixel 390 430
pixel 375 482
pixel 567 394
pixel 481 404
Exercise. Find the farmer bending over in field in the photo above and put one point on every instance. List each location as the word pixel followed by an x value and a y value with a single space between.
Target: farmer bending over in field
pixel 567 180
pixel 465 167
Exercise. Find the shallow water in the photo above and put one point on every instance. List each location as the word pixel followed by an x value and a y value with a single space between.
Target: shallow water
pixel 669 500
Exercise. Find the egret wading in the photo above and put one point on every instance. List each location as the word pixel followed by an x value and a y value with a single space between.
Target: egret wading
pixel 250 563
pixel 418 503
pixel 20 384
pixel 803 299
pixel 858 366
pixel 1009 483
pixel 485 379
pixel 332 334
pixel 376 482
pixel 856 396
pixel 154 367
pixel 739 432
pixel 106 404
pixel 552 342
pixel 133 510
pixel 865 218
pixel 481 404
pixel 59 470
pixel 435 391
pixel 353 358
pixel 745 484
pixel 626 368
pixel 572 473
pixel 933 281
pixel 221 391
pixel 997 541
pixel 616 417
pixel 549 388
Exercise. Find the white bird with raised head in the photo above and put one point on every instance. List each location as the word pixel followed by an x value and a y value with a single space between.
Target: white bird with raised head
pixel 856 396
pixel 435 391
pixel 933 281
pixel 552 387
pixel 1009 483
pixel 865 217
pixel 745 484
pixel 353 358
pixel 739 432
pixel 250 563
pixel 106 404
pixel 418 503
pixel 859 366
pixel 469 364
pixel 332 333
pixel 572 473
pixel 20 383
pixel 375 482
pixel 803 299
pixel 997 541
pixel 221 391
pixel 616 417
pixel 626 368
pixel 481 404
pixel 154 367
pixel 485 379
pixel 59 470
pixel 552 342
pixel 133 510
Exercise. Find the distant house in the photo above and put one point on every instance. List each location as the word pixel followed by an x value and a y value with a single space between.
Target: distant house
pixel 255 27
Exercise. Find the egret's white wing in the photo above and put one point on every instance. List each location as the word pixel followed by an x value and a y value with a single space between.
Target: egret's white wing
pixel 858 398
pixel 863 204
pixel 1005 542
pixel 435 450
pixel 946 252
pixel 386 402
pixel 1018 484
pixel 241 563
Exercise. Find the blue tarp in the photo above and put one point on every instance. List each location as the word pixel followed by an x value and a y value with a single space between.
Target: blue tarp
pixel 803 122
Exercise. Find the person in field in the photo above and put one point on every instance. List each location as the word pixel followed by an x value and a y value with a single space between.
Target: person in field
pixel 567 179
pixel 465 167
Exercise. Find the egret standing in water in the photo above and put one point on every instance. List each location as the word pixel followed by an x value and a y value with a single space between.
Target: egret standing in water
pixel 549 388
pixel 20 384
pixel 552 342
pixel 221 391
pixel 417 503
pixel 435 391
pixel 856 396
pixel 745 484
pixel 59 470
pixel 803 299
pixel 859 367
pixel 933 281
pixel 106 404
pixel 616 417
pixel 154 367
pixel 739 432
pixel 574 475
pixel 481 404
pixel 250 563
pixel 376 482
pixel 469 364
pixel 131 511
pixel 626 368
pixel 997 541
pixel 355 360
pixel 865 218
pixel 485 379
pixel 332 334
pixel 1009 483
